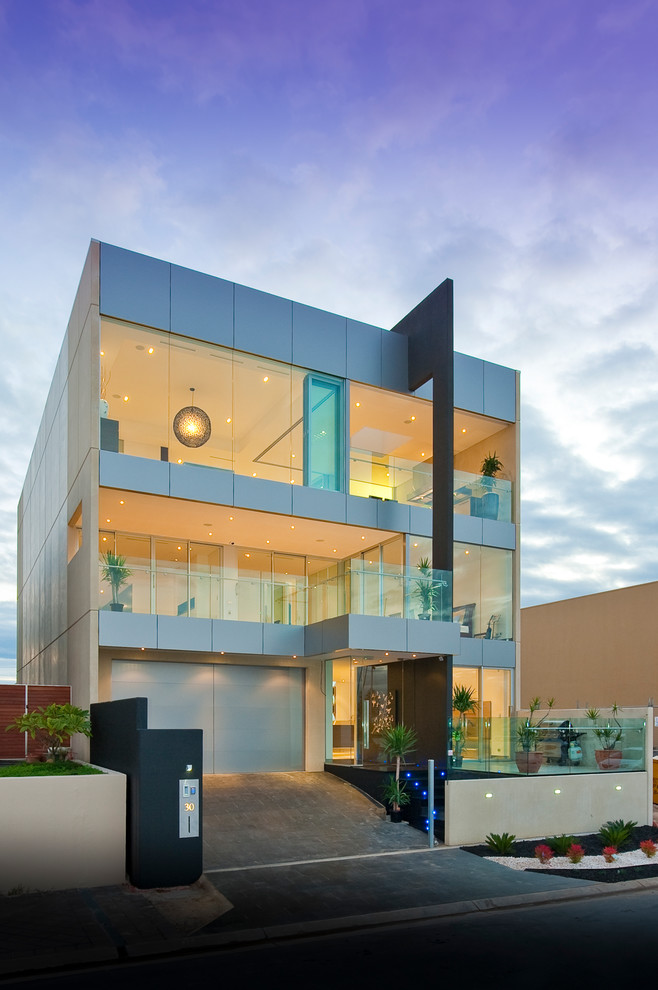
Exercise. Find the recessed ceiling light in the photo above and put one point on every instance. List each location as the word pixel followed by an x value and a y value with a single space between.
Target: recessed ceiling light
pixel 266 378
pixel 121 502
pixel 151 349
pixel 253 475
pixel 180 548
pixel 413 419
pixel 422 453
pixel 363 537
pixel 292 527
pixel 463 429
pixel 334 550
pixel 126 398
pixel 180 460
pixel 357 404
pixel 105 539
pixel 293 455
pixel 247 555
pixel 415 544
pixel 228 419
pixel 102 353
pixel 230 518
pixel 209 534
pixel 267 541
pixel 108 520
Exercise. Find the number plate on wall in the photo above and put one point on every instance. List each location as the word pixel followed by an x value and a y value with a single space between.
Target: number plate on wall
pixel 188 809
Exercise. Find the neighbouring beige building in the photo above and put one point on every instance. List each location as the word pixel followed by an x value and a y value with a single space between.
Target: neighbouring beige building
pixel 594 650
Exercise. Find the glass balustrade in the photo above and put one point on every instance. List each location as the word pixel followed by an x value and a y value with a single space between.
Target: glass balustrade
pixel 486 498
pixel 330 591
pixel 555 746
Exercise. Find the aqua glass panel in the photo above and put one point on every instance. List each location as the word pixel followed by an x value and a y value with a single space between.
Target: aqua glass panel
pixel 322 433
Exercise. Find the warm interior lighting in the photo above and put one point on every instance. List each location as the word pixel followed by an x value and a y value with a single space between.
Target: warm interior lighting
pixel 253 475
pixel 266 378
pixel 228 419
pixel 192 425
pixel 102 353
pixel 488 794
pixel 413 419
pixel 121 502
pixel 357 404
pixel 151 349
pixel 557 791
pixel 108 520
pixel 126 398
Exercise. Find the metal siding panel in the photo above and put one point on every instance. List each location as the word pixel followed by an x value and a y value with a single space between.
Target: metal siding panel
pixel 361 511
pixel 127 629
pixel 263 324
pixel 364 353
pixel 134 287
pixel 470 651
pixel 202 484
pixel 499 534
pixel 137 474
pixel 395 357
pixel 283 640
pixel 420 520
pixel 267 496
pixel 201 306
pixel 469 383
pixel 178 632
pixel 314 503
pixel 432 637
pixel 237 637
pixel 319 340
pixel 499 392
pixel 498 653
pixel 467 529
pixel 372 632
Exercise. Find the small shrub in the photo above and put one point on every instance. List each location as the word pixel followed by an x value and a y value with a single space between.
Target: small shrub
pixel 616 833
pixel 501 844
pixel 544 853
pixel 575 853
pixel 560 844
pixel 609 854
pixel 648 847
pixel 67 769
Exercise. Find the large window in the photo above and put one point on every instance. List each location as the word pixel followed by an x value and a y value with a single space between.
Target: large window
pixel 482 591
pixel 267 419
pixel 390 445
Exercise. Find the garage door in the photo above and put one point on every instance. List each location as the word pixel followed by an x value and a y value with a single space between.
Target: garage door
pixel 252 717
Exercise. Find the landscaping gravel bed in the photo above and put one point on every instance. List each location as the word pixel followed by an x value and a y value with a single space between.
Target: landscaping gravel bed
pixel 592 866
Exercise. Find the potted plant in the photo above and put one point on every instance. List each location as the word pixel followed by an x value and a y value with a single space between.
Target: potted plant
pixel 491 465
pixel 116 574
pixel 53 725
pixel 398 740
pixel 425 590
pixel 528 760
pixel 464 703
pixel 608 757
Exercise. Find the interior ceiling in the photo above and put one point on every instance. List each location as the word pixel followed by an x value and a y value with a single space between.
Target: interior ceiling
pixel 477 428
pixel 203 522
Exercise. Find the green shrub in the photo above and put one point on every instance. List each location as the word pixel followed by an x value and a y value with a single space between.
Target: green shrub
pixel 502 845
pixel 560 843
pixel 66 769
pixel 616 833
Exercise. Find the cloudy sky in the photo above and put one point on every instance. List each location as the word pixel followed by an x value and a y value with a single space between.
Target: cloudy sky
pixel 351 154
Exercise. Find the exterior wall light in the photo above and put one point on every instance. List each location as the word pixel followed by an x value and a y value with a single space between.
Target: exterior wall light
pixel 557 791
pixel 488 794
pixel 618 787
pixel 192 426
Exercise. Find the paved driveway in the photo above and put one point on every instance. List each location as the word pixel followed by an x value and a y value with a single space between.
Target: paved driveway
pixel 259 818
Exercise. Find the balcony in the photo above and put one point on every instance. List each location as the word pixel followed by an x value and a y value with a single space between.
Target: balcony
pixel 341 589
pixel 483 497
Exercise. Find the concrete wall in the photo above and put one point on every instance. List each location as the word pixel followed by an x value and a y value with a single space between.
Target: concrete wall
pixel 61 476
pixel 72 831
pixel 593 651
pixel 529 807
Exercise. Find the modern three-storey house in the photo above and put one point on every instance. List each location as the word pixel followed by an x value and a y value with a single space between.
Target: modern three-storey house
pixel 269 520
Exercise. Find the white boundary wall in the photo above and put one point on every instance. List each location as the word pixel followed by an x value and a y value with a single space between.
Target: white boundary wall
pixel 529 807
pixel 61 832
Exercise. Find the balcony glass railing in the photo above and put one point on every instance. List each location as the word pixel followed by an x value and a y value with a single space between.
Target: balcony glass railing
pixel 340 590
pixel 486 498
pixel 557 746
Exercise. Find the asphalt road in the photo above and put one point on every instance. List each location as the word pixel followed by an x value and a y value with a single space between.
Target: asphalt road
pixel 595 942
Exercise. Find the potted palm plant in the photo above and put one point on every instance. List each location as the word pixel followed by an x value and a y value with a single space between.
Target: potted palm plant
pixel 608 757
pixel 398 740
pixel 491 465
pixel 528 760
pixel 116 574
pixel 463 701
pixel 425 590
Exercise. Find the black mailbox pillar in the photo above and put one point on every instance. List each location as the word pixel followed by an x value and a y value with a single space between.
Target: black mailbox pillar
pixel 164 771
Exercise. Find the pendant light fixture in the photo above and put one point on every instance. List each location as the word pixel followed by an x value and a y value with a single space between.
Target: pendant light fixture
pixel 192 425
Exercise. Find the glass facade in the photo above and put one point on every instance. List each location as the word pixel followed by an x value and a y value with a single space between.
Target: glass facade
pixel 268 419
pixel 482 591
pixel 390 445
pixel 152 575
